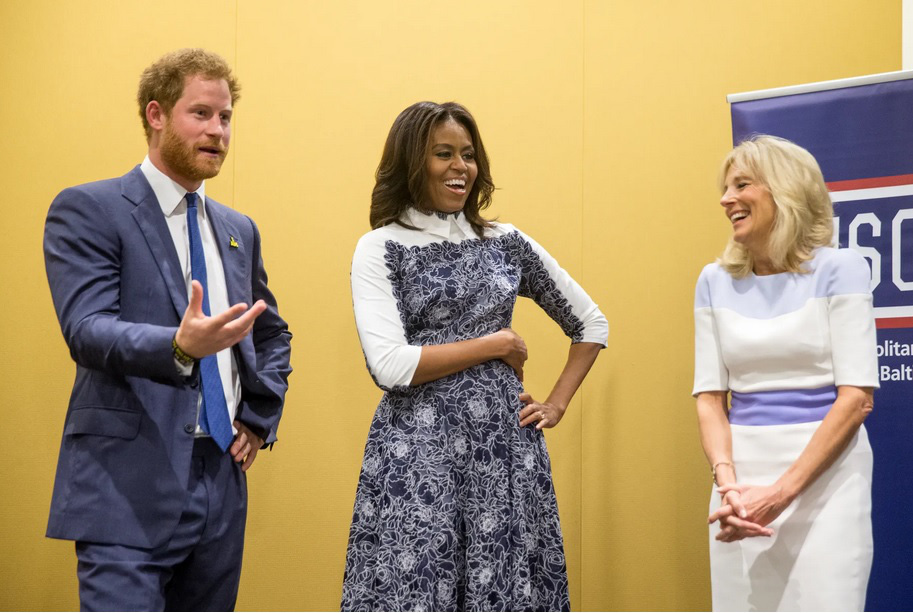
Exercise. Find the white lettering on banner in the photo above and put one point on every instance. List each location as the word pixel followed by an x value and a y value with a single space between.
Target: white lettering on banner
pixel 885 308
pixel 875 257
pixel 902 373
pixel 890 349
pixel 893 349
pixel 869 219
pixel 869 252
pixel 901 216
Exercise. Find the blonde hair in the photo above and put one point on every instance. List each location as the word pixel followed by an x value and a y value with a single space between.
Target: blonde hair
pixel 804 213
pixel 164 80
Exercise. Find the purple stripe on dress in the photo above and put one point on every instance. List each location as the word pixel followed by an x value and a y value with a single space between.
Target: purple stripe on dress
pixel 781 407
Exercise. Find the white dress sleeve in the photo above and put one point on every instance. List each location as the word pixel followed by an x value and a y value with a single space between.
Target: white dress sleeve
pixel 710 372
pixel 391 360
pixel 852 321
pixel 562 298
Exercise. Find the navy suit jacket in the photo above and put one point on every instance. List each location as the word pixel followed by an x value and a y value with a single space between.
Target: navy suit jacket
pixel 120 294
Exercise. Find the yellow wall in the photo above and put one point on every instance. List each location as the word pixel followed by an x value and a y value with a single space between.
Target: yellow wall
pixel 604 120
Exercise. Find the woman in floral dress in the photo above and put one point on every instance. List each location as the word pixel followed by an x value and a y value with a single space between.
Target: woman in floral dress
pixel 455 508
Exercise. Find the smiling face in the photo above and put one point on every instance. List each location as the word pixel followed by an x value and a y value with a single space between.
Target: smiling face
pixel 192 140
pixel 450 169
pixel 750 208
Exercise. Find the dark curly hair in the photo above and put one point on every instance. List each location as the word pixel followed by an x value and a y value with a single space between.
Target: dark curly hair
pixel 401 180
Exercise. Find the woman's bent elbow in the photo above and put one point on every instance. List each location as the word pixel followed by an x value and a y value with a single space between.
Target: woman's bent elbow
pixel 860 401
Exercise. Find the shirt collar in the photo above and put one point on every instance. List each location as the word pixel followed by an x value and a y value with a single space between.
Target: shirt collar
pixel 170 194
pixel 449 226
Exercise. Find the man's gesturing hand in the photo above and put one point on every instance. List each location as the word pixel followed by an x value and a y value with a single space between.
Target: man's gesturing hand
pixel 199 335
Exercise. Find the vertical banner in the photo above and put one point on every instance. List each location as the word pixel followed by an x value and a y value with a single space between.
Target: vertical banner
pixel 861 133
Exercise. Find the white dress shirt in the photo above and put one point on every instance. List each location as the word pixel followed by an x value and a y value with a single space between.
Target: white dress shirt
pixel 171 197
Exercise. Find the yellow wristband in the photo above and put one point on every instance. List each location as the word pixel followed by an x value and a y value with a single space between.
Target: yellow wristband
pixel 179 354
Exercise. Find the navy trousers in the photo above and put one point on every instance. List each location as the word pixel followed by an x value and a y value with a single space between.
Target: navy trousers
pixel 197 570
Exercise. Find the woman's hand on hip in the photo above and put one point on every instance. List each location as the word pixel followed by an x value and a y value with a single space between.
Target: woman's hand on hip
pixel 543 414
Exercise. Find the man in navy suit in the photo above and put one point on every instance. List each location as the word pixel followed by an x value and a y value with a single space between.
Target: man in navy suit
pixel 182 359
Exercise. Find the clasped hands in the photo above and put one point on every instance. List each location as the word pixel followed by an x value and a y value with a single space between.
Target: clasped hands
pixel 746 510
pixel 200 335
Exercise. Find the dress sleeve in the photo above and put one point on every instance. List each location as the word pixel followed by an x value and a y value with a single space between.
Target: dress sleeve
pixel 852 321
pixel 391 360
pixel 710 372
pixel 562 298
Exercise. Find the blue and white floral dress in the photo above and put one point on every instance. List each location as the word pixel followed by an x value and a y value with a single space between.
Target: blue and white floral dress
pixel 455 508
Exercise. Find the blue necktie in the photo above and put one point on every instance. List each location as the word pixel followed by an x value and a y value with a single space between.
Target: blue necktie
pixel 214 413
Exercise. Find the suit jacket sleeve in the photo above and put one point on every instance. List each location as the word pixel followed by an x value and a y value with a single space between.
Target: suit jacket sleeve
pixel 83 262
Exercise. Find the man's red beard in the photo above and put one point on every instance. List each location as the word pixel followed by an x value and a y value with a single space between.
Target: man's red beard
pixel 186 159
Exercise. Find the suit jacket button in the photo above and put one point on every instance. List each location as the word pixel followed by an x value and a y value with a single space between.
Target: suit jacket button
pixel 195 383
pixel 189 428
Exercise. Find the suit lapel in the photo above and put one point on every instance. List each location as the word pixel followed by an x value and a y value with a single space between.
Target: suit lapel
pixel 148 214
pixel 235 256
pixel 233 251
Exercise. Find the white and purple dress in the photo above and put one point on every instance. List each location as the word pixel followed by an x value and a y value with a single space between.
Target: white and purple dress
pixel 781 344
pixel 455 509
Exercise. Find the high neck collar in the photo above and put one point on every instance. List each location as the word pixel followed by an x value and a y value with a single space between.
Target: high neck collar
pixel 449 226
pixel 445 216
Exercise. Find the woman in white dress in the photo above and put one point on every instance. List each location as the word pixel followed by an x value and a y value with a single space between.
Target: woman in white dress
pixel 785 367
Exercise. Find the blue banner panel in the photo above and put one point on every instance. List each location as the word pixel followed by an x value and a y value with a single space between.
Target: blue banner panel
pixel 863 139
pixel 854 133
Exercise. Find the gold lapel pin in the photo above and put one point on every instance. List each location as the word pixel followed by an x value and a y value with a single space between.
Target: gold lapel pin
pixel 232 242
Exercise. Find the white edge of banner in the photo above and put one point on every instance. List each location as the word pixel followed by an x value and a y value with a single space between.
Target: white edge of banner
pixel 820 86
pixel 893 312
pixel 906 38
pixel 871 193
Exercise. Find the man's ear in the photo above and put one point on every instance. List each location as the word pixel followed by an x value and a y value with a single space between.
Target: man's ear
pixel 155 115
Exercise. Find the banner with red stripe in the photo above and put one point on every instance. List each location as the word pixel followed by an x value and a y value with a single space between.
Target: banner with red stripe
pixel 861 133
